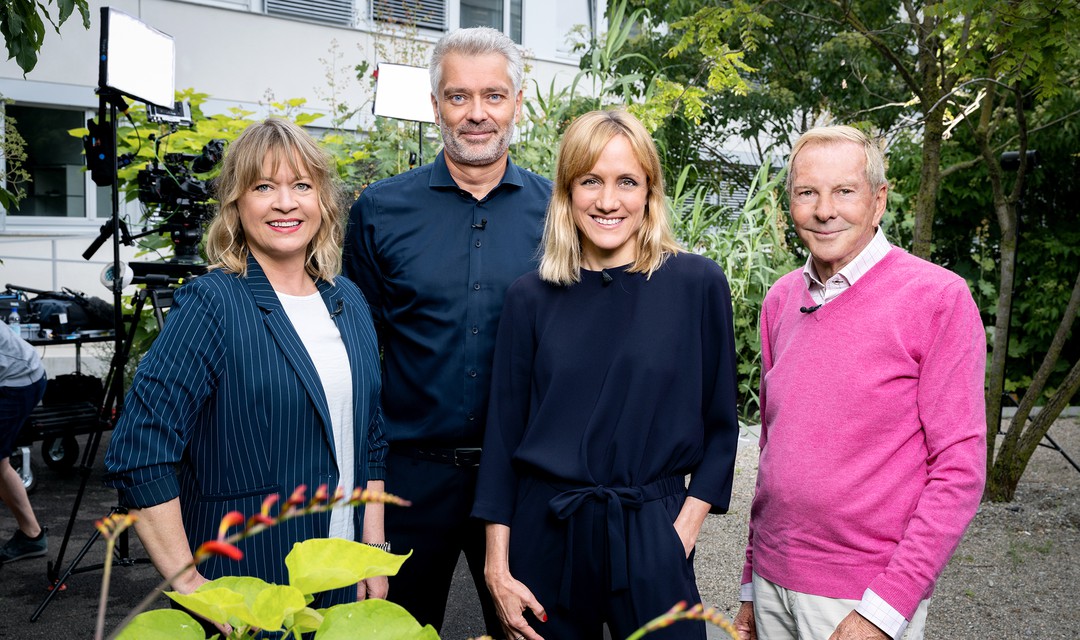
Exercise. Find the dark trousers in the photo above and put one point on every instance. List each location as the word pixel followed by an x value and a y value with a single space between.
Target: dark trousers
pixel 658 573
pixel 16 403
pixel 437 528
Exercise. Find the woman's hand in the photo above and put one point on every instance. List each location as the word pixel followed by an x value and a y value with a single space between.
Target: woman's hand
pixel 689 521
pixel 512 598
pixel 374 587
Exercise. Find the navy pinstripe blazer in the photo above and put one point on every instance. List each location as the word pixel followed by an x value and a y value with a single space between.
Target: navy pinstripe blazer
pixel 227 407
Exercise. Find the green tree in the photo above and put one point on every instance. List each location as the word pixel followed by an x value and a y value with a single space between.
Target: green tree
pixel 24 30
pixel 13 152
pixel 988 66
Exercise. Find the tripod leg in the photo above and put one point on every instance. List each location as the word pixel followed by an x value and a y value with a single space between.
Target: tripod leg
pixel 85 470
pixel 113 400
pixel 56 585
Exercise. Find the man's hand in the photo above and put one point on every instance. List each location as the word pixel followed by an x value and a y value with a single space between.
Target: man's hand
pixel 856 627
pixel 744 622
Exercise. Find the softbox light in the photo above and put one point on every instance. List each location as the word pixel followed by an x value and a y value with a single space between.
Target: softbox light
pixel 403 92
pixel 136 60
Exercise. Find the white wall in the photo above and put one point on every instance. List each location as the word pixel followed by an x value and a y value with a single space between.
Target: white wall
pixel 236 57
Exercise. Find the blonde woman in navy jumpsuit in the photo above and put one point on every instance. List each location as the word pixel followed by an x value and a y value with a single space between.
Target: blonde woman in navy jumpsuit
pixel 614 380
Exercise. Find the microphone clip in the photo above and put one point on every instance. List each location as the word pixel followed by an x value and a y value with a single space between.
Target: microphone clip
pixel 809 309
pixel 605 277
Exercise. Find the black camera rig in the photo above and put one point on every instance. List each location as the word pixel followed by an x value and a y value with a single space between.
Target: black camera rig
pixel 181 201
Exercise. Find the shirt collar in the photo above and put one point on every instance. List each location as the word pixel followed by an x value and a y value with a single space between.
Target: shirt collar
pixel 871 254
pixel 440 174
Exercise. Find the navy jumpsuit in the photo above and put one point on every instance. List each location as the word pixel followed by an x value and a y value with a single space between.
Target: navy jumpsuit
pixel 605 395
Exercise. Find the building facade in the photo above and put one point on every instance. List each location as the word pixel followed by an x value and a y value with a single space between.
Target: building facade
pixel 242 53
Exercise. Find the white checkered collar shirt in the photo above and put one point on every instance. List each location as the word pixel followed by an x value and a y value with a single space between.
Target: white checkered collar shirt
pixel 871 254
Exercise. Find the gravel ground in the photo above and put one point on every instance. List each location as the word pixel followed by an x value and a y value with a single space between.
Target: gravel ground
pixel 1014 575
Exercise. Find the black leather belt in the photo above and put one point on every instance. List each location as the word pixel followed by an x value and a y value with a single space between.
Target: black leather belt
pixel 459 457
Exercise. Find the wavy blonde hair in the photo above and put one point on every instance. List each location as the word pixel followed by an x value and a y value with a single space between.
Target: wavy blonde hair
pixel 282 141
pixel 579 151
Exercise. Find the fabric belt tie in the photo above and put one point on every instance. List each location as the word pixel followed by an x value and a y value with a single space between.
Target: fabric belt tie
pixel 566 504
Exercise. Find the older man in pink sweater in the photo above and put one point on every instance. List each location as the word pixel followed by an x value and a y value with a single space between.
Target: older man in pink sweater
pixel 873 431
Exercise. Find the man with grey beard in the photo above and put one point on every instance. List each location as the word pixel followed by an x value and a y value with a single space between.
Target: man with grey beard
pixel 434 251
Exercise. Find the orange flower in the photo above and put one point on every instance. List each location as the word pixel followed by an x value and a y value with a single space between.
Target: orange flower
pixel 231 519
pixel 297 497
pixel 218 548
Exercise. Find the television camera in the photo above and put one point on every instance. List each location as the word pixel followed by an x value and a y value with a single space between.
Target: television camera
pixel 170 189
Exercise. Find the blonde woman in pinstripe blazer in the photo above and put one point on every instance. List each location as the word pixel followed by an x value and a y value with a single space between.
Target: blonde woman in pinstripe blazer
pixel 265 376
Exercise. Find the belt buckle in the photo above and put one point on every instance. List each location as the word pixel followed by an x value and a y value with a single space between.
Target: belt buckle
pixel 467 457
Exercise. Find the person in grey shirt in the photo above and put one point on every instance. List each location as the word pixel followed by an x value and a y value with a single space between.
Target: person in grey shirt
pixel 22 384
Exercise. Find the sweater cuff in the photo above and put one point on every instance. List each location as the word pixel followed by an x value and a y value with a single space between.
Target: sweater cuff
pixel 881 614
pixel 746 592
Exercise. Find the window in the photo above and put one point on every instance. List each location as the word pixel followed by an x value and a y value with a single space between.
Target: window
pixel 58 184
pixel 428 14
pixel 328 11
pixel 569 16
pixel 504 15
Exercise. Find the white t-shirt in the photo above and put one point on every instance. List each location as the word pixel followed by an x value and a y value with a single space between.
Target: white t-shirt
pixel 322 340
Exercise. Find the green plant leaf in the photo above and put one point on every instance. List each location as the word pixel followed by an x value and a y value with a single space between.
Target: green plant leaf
pixel 372 619
pixel 275 604
pixel 306 620
pixel 163 624
pixel 322 564
pixel 214 603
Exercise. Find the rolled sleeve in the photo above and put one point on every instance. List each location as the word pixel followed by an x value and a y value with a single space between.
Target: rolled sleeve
pixel 171 386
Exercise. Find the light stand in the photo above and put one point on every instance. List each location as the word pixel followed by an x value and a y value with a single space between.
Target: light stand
pixel 137 61
pixel 112 403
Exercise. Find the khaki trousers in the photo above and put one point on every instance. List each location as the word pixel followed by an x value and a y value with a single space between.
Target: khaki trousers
pixel 783 614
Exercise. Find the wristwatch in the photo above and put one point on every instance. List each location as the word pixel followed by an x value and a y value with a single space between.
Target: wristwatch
pixel 382 546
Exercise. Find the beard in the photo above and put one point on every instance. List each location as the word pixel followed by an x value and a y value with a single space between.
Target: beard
pixel 476 155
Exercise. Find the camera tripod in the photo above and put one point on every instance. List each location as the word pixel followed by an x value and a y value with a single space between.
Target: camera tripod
pixel 160 298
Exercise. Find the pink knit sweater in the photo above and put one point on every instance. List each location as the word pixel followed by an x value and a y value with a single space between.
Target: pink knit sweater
pixel 873 435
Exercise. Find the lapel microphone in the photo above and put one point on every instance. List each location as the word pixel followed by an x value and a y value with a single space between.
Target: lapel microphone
pixel 481 226
pixel 809 309
pixel 340 308
pixel 605 277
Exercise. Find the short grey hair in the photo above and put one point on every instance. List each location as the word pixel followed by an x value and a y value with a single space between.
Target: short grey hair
pixel 836 134
pixel 477 41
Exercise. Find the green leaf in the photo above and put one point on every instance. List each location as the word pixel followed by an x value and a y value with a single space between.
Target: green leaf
pixel 322 564
pixel 372 619
pixel 306 620
pixel 217 604
pixel 274 605
pixel 163 624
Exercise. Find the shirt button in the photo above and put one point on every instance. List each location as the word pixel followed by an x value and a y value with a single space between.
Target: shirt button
pixel 478 243
pixel 476 286
pixel 472 374
pixel 475 330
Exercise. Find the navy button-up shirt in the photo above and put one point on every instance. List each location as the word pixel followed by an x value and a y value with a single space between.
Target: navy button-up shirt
pixel 434 263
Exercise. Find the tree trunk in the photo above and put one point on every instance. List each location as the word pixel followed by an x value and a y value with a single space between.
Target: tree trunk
pixel 929 180
pixel 1020 443
pixel 1004 476
pixel 995 382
